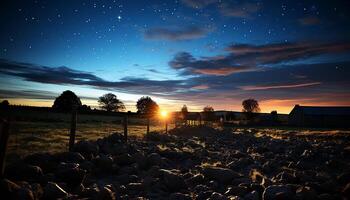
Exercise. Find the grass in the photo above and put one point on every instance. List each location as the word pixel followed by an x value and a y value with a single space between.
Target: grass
pixel 31 137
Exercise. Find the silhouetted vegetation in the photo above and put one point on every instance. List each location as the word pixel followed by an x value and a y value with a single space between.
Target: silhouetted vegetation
pixel 208 113
pixel 110 102
pixel 145 105
pixel 4 104
pixel 66 102
pixel 184 112
pixel 250 107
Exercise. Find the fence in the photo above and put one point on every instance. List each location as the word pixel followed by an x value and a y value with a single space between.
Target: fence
pixel 34 131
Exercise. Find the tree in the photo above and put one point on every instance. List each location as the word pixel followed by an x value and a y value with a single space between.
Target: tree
pixel 145 105
pixel 110 102
pixel 4 104
pixel 66 101
pixel 184 112
pixel 208 112
pixel 250 106
pixel 274 116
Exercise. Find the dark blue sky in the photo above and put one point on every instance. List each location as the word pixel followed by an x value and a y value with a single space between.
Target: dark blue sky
pixel 179 52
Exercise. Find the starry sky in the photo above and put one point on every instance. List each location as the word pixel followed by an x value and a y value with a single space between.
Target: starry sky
pixel 193 52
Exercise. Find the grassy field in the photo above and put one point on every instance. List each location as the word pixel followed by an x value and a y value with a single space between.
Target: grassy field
pixel 31 137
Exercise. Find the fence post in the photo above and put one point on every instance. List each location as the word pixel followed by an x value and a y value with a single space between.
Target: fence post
pixel 73 127
pixel 125 127
pixel 166 126
pixel 147 124
pixel 4 136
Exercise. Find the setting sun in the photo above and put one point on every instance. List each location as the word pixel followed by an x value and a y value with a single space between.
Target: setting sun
pixel 164 113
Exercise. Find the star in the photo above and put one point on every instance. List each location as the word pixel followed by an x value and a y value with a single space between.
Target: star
pixel 119 17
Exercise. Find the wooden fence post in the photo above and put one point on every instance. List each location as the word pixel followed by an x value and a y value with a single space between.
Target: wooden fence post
pixel 73 127
pixel 4 136
pixel 166 126
pixel 147 124
pixel 125 128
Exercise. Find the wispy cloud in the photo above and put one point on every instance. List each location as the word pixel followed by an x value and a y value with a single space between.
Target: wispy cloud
pixel 243 10
pixel 309 21
pixel 174 34
pixel 198 3
pixel 268 87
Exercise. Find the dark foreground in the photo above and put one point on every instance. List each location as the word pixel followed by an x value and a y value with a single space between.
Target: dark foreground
pixel 190 163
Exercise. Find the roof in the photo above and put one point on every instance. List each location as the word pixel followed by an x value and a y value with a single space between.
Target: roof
pixel 324 110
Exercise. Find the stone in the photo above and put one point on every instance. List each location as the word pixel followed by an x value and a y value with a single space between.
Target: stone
pixel 73 157
pixel 71 174
pixel 253 195
pixel 173 181
pixel 217 196
pixel 104 163
pixel 53 191
pixel 179 196
pixel 106 194
pixel 236 191
pixel 305 192
pixel 8 189
pixel 86 148
pixel 222 175
pixel 124 159
pixel 346 190
pixel 277 192
pixel 25 172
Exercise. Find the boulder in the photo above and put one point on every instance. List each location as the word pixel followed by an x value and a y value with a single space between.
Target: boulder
pixel 278 192
pixel 173 181
pixel 106 194
pixel 25 172
pixel 222 175
pixel 71 174
pixel 53 191
pixel 86 148
pixel 253 195
pixel 73 157
pixel 305 192
pixel 8 189
pixel 179 196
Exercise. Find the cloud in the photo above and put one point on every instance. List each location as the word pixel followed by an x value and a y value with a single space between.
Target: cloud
pixel 68 76
pixel 309 21
pixel 200 87
pixel 283 52
pixel 268 87
pixel 175 34
pixel 197 3
pixel 243 10
pixel 219 66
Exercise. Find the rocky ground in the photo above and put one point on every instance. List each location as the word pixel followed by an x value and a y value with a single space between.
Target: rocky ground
pixel 189 163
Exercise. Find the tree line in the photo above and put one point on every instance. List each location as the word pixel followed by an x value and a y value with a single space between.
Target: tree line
pixel 68 100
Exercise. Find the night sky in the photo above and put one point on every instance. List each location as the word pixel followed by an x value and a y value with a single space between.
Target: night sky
pixel 204 52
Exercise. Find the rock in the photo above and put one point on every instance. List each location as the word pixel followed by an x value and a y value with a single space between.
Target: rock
pixel 179 196
pixel 104 163
pixel 195 180
pixel 37 190
pixel 8 189
pixel 277 192
pixel 106 194
pixel 204 195
pixel 135 187
pixel 86 148
pixel 44 160
pixel 25 172
pixel 346 190
pixel 71 174
pixel 124 159
pixel 217 196
pixel 53 191
pixel 236 191
pixel 70 157
pixel 305 192
pixel 253 195
pixel 154 159
pixel 222 175
pixel 25 193
pixel 173 181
